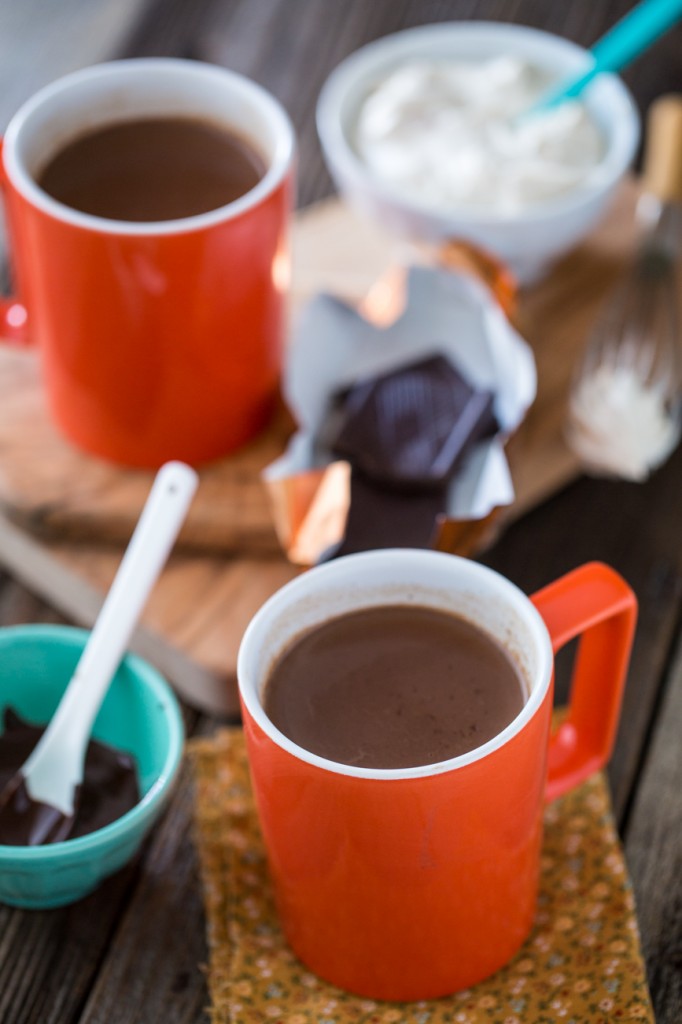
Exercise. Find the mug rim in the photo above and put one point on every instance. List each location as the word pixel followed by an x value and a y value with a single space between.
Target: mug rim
pixel 277 170
pixel 366 561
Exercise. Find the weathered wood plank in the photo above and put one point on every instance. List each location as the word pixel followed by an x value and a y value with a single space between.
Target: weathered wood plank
pixel 42 41
pixel 152 971
pixel 80 601
pixel 290 46
pixel 635 528
pixel 48 959
pixel 165 28
pixel 201 606
pixel 18 605
pixel 653 846
pixel 632 527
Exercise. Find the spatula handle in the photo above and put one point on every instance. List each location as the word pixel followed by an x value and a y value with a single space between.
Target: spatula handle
pixel 628 38
pixel 149 547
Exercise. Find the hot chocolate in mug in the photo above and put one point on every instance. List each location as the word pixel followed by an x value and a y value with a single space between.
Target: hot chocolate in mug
pixel 158 340
pixel 414 883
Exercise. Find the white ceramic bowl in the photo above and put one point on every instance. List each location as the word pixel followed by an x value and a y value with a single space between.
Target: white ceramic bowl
pixel 527 242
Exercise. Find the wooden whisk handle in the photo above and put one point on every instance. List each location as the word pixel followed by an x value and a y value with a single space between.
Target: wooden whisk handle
pixel 663 155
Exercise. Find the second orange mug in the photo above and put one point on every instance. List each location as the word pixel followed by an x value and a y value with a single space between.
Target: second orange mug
pixel 415 883
pixel 157 340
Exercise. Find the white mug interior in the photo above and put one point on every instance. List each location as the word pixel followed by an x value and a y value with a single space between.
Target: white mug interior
pixel 423 578
pixel 137 89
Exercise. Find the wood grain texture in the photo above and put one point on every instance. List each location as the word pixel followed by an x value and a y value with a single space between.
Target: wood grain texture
pixel 654 852
pixel 80 601
pixel 634 527
pixel 56 492
pixel 202 605
pixel 48 959
pixel 41 42
pixel 152 971
pixel 612 522
pixel 267 40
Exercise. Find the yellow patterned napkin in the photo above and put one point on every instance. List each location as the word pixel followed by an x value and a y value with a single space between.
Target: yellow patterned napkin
pixel 582 962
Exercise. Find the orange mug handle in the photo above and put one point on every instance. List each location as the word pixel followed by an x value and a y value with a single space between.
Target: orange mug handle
pixel 595 603
pixel 13 316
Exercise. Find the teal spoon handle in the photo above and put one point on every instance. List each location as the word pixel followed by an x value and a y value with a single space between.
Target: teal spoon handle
pixel 628 38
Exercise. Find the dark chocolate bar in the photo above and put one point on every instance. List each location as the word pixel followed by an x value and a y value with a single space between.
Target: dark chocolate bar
pixel 405 434
pixel 381 517
pixel 414 425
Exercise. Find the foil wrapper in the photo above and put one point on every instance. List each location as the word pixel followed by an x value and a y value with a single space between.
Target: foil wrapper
pixel 411 314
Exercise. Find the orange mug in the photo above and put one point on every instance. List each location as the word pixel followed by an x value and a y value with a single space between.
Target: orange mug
pixel 415 883
pixel 157 340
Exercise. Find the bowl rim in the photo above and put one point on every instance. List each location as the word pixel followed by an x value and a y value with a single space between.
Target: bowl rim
pixel 150 678
pixel 365 62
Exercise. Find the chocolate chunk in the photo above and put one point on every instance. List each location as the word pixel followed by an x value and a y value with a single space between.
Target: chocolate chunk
pixel 380 517
pixel 405 434
pixel 414 425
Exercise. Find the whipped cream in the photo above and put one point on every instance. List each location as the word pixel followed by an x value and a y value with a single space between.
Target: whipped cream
pixel 445 134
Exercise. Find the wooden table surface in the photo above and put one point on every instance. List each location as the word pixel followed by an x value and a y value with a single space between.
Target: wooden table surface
pixel 132 952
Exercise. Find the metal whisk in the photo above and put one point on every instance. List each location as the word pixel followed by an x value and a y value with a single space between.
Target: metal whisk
pixel 625 407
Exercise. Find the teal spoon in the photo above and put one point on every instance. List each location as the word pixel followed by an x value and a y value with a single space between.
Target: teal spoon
pixel 628 38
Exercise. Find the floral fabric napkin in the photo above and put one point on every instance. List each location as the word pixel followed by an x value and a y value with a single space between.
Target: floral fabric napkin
pixel 581 963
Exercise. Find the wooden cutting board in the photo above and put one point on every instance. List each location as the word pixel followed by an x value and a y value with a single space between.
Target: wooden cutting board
pixel 65 516
pixel 58 493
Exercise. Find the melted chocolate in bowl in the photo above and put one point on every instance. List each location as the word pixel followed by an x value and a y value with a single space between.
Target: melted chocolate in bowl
pixel 153 170
pixel 393 687
pixel 109 789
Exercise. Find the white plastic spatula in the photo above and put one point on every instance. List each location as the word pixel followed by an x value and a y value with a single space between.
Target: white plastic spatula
pixel 54 770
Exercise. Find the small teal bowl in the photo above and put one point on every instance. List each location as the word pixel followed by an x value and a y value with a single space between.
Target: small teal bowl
pixel 139 715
